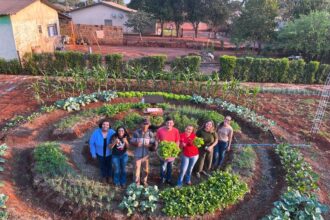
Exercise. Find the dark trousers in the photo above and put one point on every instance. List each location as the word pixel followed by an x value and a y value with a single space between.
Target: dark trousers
pixel 219 153
pixel 166 170
pixel 105 166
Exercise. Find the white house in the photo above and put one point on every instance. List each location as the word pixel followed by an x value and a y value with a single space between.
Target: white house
pixel 102 13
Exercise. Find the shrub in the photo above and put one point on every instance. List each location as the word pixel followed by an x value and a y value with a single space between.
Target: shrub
pixel 10 67
pixel 219 191
pixel 75 60
pixel 243 66
pixel 295 71
pixel 227 67
pixel 322 73
pixel 114 62
pixel 279 70
pixel 259 70
pixel 50 160
pixel 39 63
pixel 152 64
pixel 310 71
pixel 61 58
pixel 189 64
pixel 94 60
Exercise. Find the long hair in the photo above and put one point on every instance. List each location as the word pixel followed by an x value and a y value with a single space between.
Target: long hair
pixel 204 125
pixel 125 132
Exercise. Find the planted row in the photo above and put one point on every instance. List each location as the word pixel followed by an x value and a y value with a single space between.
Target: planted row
pixel 3 197
pixel 219 191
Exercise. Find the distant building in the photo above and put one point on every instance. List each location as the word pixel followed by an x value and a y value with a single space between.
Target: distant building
pixel 103 13
pixel 27 26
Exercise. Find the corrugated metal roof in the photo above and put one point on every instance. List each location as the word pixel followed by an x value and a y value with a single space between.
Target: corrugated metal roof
pixel 9 7
pixel 108 4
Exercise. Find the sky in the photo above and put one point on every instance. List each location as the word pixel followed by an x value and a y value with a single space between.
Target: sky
pixel 127 1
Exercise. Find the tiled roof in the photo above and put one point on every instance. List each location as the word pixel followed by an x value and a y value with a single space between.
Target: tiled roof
pixel 108 4
pixel 9 7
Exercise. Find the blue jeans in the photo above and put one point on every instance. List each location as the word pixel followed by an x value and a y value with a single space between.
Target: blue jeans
pixel 187 165
pixel 219 153
pixel 166 170
pixel 105 166
pixel 119 164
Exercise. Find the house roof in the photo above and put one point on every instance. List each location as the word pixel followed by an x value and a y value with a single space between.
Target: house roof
pixel 9 7
pixel 107 4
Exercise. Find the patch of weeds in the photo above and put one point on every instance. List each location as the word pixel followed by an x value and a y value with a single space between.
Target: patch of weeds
pixel 308 101
pixel 71 120
pixel 244 161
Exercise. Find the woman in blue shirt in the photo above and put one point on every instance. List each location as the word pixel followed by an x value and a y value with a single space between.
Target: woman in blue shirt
pixel 99 149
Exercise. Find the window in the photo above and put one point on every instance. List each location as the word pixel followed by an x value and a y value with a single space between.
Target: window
pixel 40 29
pixel 52 30
pixel 108 22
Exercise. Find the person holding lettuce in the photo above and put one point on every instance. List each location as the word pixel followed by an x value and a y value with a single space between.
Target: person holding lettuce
pixel 171 134
pixel 189 156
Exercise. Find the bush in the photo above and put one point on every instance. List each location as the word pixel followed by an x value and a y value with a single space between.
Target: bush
pixel 75 60
pixel 260 70
pixel 60 60
pixel 243 66
pixel 322 73
pixel 279 70
pixel 114 62
pixel 152 64
pixel 50 160
pixel 10 67
pixel 295 71
pixel 94 60
pixel 39 63
pixel 188 64
pixel 227 67
pixel 310 71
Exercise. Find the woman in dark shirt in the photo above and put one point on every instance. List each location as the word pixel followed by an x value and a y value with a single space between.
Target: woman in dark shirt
pixel 119 145
pixel 206 151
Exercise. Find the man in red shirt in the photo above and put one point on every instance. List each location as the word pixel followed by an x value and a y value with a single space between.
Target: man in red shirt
pixel 167 133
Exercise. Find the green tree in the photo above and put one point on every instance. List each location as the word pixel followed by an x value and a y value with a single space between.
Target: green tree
pixel 139 21
pixel 137 4
pixel 308 35
pixel 195 13
pixel 177 9
pixel 293 9
pixel 217 13
pixel 256 23
pixel 161 9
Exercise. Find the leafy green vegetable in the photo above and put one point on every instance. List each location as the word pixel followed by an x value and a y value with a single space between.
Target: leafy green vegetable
pixel 168 149
pixel 198 142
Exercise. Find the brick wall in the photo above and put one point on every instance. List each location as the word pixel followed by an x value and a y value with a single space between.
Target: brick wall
pixel 109 35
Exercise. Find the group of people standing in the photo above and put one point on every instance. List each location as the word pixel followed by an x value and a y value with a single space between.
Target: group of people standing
pixel 110 149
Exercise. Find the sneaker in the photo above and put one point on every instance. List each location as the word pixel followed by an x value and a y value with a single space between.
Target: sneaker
pixel 198 175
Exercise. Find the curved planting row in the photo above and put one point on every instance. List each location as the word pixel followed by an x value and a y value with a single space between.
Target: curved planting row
pixel 3 197
pixel 298 202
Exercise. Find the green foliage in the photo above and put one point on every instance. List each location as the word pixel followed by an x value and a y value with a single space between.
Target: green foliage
pixel 10 67
pixel 75 60
pixel 296 70
pixel 153 64
pixel 300 175
pixel 167 149
pixel 308 35
pixel 227 66
pixel 82 191
pixel 75 103
pixel 114 62
pixel 140 199
pixel 244 161
pixel 3 212
pixel 219 191
pixel 242 70
pixel 157 120
pixel 111 110
pixel 49 159
pixel 72 120
pixel 198 142
pixel 256 22
pixel 188 64
pixel 182 121
pixel 322 73
pixel 139 21
pixel 310 71
pixel 132 120
pixel 94 60
pixel 294 205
